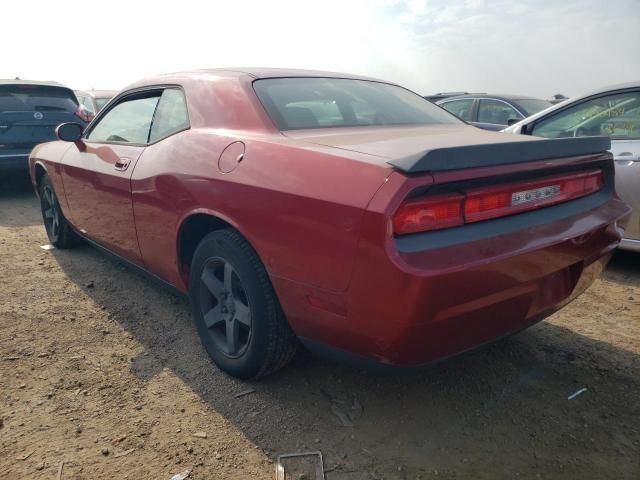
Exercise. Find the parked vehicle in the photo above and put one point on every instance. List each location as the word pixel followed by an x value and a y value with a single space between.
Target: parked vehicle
pixel 557 98
pixel 442 95
pixel 95 100
pixel 611 111
pixel 492 112
pixel 29 113
pixel 348 213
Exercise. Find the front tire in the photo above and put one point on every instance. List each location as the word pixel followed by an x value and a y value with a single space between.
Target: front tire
pixel 58 229
pixel 235 308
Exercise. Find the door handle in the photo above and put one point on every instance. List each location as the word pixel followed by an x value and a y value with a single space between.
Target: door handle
pixel 626 157
pixel 122 164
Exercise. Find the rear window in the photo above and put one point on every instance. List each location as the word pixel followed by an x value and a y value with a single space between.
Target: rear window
pixel 298 103
pixel 31 98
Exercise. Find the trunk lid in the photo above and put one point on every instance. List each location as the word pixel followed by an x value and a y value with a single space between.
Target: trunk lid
pixel 419 149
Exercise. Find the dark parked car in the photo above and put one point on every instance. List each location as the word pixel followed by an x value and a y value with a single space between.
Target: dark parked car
pixel 442 95
pixel 94 100
pixel 346 213
pixel 29 113
pixel 493 112
pixel 557 98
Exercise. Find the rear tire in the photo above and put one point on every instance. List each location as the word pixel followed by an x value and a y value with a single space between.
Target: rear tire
pixel 58 229
pixel 235 308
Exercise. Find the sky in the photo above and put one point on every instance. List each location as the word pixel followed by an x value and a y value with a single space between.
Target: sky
pixel 534 47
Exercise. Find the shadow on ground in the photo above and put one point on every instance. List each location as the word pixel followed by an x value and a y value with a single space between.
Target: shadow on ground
pixel 18 204
pixel 503 409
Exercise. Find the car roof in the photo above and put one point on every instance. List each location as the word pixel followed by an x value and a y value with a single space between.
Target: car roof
pixel 32 82
pixel 610 88
pixel 498 96
pixel 98 93
pixel 253 72
pixel 267 72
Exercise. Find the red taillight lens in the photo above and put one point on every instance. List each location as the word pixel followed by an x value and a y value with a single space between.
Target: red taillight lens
pixel 499 201
pixel 428 214
pixel 474 205
pixel 84 114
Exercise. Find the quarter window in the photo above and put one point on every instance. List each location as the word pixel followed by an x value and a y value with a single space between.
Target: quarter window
pixel 171 115
pixel 127 122
pixel 460 108
pixel 496 112
pixel 616 116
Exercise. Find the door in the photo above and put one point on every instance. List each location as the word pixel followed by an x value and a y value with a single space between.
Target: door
pixel 461 108
pixel 97 173
pixel 495 114
pixel 617 115
pixel 626 154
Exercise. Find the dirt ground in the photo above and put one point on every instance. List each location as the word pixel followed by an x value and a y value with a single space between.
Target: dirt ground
pixel 102 370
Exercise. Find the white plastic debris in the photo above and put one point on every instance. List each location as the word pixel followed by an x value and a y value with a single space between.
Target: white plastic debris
pixel 47 247
pixel 181 475
pixel 575 394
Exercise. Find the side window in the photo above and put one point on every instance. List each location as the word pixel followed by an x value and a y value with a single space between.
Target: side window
pixel 128 122
pixel 496 112
pixel 171 115
pixel 460 108
pixel 87 103
pixel 616 116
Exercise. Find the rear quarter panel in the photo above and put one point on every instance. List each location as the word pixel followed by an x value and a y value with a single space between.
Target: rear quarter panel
pixel 301 209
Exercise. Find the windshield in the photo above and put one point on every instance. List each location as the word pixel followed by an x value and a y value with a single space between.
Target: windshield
pixel 532 105
pixel 30 98
pixel 298 103
pixel 102 101
pixel 616 115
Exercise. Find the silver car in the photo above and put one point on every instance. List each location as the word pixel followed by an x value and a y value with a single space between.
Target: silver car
pixel 614 112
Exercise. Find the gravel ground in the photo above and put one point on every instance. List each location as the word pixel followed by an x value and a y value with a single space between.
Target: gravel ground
pixel 102 370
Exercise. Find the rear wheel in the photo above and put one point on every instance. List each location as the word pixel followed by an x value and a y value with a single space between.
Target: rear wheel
pixel 58 229
pixel 235 308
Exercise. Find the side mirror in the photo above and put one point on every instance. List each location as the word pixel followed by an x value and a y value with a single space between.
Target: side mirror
pixel 511 121
pixel 69 132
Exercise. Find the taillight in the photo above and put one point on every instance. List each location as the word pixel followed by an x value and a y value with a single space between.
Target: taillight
pixel 428 214
pixel 474 205
pixel 83 113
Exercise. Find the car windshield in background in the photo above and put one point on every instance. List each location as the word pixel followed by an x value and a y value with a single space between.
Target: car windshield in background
pixel 31 98
pixel 298 103
pixel 616 116
pixel 102 101
pixel 532 105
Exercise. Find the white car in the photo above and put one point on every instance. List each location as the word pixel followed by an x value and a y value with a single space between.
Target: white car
pixel 614 112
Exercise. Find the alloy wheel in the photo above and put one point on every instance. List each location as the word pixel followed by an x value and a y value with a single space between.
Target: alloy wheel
pixel 51 212
pixel 225 307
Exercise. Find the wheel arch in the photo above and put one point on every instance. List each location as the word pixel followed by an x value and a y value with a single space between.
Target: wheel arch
pixel 39 171
pixel 193 227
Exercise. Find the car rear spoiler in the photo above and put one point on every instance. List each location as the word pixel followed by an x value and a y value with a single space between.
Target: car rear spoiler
pixel 491 154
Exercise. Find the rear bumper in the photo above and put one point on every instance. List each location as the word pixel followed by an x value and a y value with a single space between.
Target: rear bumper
pixel 630 244
pixel 14 163
pixel 414 308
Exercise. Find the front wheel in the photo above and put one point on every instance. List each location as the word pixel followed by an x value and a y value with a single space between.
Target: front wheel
pixel 58 229
pixel 235 308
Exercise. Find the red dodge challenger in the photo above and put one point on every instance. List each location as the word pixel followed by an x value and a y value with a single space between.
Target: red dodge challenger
pixel 341 212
